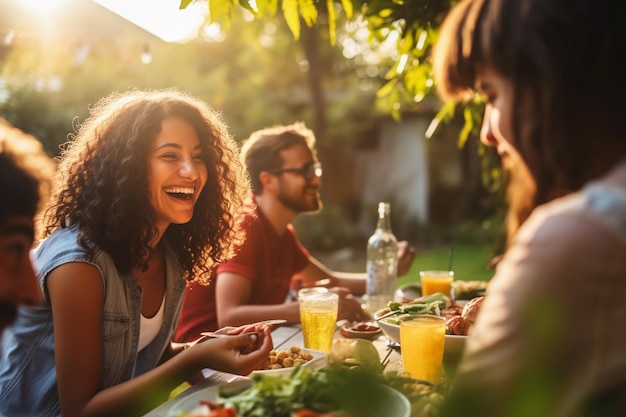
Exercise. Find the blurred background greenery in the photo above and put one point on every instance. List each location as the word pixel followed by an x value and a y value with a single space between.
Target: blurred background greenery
pixel 345 76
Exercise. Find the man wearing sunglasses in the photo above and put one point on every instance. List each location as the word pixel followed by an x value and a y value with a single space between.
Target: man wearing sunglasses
pixel 286 177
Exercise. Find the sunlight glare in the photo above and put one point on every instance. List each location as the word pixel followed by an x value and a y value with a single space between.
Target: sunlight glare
pixel 213 33
pixel 162 18
pixel 41 8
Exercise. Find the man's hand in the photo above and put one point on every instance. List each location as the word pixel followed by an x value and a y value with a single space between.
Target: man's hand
pixel 406 254
pixel 349 307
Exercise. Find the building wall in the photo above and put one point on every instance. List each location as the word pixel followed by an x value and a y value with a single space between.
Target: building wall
pixel 395 171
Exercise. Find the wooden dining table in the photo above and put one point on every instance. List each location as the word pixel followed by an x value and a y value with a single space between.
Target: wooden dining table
pixel 285 337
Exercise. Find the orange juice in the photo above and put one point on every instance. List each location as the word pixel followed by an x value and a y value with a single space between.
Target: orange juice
pixel 421 344
pixel 436 281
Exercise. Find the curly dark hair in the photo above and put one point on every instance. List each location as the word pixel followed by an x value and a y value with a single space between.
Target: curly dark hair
pixel 102 184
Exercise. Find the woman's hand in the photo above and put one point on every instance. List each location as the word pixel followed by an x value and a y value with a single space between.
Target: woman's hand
pixel 243 351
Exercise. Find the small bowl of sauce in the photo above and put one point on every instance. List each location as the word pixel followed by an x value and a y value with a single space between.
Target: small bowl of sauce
pixel 361 330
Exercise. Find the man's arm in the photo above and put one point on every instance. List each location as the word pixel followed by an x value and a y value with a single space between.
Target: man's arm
pixel 233 292
pixel 355 282
pixel 315 272
pixel 232 298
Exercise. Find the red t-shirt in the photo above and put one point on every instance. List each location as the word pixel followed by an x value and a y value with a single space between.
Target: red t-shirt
pixel 268 259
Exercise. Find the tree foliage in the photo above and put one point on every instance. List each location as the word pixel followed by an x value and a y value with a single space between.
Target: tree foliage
pixel 413 24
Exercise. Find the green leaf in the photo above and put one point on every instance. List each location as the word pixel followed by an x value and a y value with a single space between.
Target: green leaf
pixel 222 11
pixel 266 7
pixel 386 89
pixel 308 11
pixel 443 115
pixel 468 126
pixel 292 17
pixel 244 4
pixel 348 7
pixel 332 22
pixel 407 43
pixel 184 4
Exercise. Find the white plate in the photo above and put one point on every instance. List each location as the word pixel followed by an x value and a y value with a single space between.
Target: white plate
pixel 390 403
pixel 453 346
pixel 191 403
pixel 319 360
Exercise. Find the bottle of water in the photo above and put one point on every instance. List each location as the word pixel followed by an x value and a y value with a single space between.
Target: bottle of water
pixel 382 262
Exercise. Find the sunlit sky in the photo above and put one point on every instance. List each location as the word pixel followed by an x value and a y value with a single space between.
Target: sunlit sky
pixel 162 18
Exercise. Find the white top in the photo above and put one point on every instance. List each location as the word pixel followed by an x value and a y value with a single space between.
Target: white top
pixel 150 327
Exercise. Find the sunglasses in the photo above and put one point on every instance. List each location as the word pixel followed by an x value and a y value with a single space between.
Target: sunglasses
pixel 308 171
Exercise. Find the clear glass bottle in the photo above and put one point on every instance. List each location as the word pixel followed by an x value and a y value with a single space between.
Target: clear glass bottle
pixel 382 262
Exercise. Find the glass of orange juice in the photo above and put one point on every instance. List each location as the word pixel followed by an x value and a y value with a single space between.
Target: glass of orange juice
pixel 318 316
pixel 422 340
pixel 437 281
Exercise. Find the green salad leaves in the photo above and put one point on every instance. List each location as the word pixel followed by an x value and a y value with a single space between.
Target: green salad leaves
pixel 331 389
pixel 428 304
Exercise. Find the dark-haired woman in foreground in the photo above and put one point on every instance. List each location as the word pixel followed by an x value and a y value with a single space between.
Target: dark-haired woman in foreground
pixel 550 338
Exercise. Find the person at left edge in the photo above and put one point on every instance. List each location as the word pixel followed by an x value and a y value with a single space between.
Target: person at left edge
pixel 25 177
pixel 147 193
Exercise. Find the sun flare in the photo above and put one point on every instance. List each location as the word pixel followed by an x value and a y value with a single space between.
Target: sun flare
pixel 162 18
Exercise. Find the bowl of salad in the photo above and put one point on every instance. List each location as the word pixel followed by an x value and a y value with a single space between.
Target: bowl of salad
pixel 436 304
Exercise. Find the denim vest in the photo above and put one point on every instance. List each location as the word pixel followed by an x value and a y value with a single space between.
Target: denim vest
pixel 27 365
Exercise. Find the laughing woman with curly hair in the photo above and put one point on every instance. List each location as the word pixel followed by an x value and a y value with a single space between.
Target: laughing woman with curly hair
pixel 147 197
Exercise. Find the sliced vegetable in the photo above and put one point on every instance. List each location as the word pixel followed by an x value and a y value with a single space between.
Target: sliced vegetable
pixel 428 304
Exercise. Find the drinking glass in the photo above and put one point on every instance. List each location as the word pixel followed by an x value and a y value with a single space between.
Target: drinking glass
pixel 318 316
pixel 422 340
pixel 437 281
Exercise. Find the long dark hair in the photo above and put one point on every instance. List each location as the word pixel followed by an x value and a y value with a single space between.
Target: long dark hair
pixel 566 59
pixel 102 186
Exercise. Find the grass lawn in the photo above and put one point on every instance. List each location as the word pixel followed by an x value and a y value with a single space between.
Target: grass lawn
pixel 469 263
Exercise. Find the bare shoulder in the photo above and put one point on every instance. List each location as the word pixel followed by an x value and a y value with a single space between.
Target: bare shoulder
pixel 75 278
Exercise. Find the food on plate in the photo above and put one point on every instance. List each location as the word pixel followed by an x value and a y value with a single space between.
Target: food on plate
pixel 333 391
pixel 287 358
pixel 207 408
pixel 428 304
pixel 458 319
pixel 311 413
pixel 460 324
pixel 471 309
pixel 211 409
pixel 424 396
pixel 467 290
pixel 363 329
